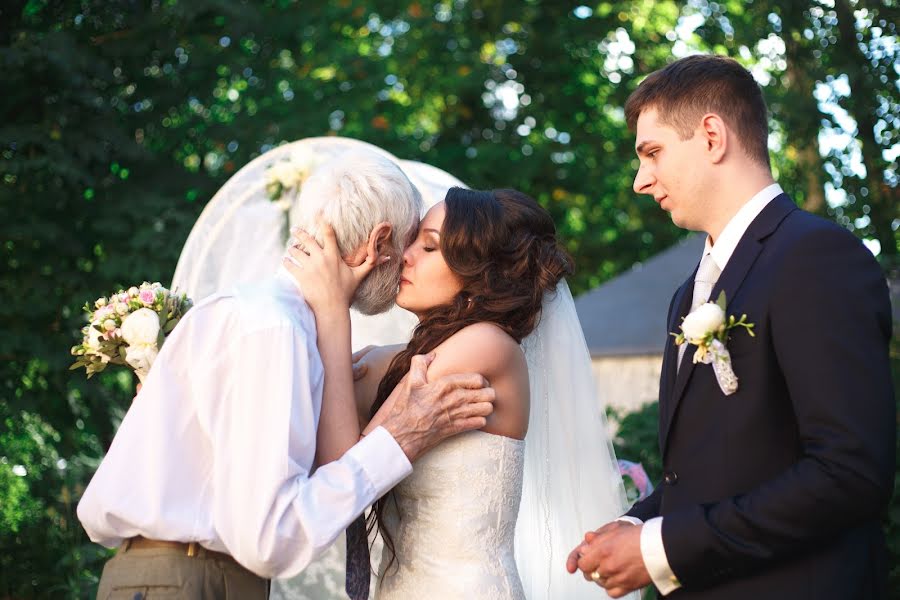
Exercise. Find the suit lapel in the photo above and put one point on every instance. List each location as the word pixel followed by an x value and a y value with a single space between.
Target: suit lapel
pixel 730 281
pixel 681 305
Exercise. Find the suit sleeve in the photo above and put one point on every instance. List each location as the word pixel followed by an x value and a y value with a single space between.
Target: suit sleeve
pixel 647 508
pixel 830 324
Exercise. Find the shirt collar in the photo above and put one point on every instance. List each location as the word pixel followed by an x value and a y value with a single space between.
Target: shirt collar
pixel 728 240
pixel 286 281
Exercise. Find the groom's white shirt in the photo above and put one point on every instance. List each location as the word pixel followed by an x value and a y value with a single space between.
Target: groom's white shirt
pixel 652 550
pixel 218 447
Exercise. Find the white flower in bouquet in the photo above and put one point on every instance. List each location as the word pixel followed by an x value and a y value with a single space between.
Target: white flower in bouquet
pixel 141 327
pixel 92 338
pixel 128 328
pixel 141 358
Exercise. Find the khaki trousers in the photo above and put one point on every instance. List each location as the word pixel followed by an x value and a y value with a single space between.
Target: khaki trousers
pixel 151 573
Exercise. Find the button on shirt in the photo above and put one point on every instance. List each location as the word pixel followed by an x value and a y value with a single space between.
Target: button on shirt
pixel 218 447
pixel 652 550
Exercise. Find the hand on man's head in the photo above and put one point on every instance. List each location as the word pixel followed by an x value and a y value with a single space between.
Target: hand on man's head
pixel 422 413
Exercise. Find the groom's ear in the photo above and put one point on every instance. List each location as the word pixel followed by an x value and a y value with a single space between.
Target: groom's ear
pixel 716 136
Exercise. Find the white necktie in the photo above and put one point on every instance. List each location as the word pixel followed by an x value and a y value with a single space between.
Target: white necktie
pixel 704 281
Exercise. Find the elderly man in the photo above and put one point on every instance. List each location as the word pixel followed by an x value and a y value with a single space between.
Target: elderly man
pixel 210 485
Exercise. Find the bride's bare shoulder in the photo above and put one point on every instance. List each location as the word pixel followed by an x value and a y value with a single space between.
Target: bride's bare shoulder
pixel 481 347
pixel 487 349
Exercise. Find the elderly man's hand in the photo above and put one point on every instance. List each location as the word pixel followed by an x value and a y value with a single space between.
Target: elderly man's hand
pixel 611 558
pixel 420 414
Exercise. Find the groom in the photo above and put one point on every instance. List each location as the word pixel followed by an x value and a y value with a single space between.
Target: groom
pixel 209 487
pixel 778 490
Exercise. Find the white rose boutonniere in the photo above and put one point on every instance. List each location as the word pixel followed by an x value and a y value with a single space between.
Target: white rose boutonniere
pixel 707 327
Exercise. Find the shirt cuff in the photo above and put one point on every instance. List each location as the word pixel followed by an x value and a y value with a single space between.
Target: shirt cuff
pixel 654 555
pixel 382 460
pixel 630 519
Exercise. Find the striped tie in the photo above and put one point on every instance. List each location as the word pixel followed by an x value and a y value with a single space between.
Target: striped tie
pixel 704 281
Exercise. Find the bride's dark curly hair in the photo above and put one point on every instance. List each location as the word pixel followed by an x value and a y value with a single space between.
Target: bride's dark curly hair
pixel 502 245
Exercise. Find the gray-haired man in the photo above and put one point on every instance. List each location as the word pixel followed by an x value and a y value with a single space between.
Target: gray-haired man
pixel 208 487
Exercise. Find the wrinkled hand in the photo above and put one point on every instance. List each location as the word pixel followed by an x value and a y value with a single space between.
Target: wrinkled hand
pixel 613 551
pixel 422 414
pixel 360 368
pixel 328 283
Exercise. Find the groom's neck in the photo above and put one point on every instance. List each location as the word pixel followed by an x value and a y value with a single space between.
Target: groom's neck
pixel 732 190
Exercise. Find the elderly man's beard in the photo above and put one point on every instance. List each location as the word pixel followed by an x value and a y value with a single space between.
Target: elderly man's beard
pixel 377 292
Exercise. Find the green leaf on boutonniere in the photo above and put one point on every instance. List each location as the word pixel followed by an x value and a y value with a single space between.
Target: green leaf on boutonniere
pixel 721 302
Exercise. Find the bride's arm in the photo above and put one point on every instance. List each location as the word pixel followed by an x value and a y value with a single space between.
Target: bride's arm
pixel 328 285
pixel 339 426
pixel 486 349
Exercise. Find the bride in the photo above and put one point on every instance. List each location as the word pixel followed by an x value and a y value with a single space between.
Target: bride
pixel 491 512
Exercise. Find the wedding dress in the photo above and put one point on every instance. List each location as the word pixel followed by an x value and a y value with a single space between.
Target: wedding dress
pixel 482 516
pixel 452 523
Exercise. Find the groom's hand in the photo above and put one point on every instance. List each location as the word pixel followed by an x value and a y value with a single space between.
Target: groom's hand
pixel 422 414
pixel 614 553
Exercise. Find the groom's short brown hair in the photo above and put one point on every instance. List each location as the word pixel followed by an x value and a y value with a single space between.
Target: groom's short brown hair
pixel 693 86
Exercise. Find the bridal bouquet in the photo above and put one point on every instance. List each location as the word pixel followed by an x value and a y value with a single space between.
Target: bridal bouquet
pixel 128 328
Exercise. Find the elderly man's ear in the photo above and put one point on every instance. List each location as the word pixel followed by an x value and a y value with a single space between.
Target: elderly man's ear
pixel 378 245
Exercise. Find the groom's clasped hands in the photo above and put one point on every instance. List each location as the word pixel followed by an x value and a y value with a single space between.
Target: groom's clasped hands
pixel 611 558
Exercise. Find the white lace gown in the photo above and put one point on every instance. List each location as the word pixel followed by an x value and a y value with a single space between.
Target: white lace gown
pixel 454 521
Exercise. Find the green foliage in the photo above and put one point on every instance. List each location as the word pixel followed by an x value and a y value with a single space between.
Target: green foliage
pixel 121 119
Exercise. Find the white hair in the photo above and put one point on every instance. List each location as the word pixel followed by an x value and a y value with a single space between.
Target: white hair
pixel 354 192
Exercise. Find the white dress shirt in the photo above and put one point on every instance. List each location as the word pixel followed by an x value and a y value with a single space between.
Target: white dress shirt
pixel 218 447
pixel 652 550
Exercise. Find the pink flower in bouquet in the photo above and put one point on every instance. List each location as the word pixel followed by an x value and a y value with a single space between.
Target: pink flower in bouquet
pixel 147 297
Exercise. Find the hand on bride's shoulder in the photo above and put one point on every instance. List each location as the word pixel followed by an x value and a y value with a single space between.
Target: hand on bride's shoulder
pixel 486 349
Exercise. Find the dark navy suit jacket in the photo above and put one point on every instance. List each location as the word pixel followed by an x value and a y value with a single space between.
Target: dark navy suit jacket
pixel 778 491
